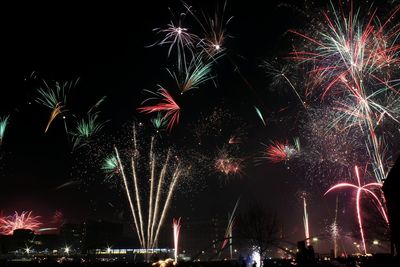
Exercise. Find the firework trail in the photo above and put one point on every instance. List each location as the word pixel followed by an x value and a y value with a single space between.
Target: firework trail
pixel 176 229
pixel 25 220
pixel 161 191
pixel 85 129
pixel 305 221
pixel 166 104
pixel 259 114
pixel 367 189
pixel 3 127
pixel 334 229
pixel 353 60
pixel 97 105
pixel 54 97
pixel 229 229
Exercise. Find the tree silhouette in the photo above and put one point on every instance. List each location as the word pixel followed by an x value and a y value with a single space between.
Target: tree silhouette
pixel 258 227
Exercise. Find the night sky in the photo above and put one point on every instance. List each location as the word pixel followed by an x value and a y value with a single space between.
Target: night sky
pixel 105 45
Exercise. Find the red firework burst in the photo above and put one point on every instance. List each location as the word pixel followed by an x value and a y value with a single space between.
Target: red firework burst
pixel 166 104
pixel 25 220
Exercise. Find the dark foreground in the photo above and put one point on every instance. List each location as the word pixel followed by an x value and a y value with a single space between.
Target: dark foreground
pixel 369 262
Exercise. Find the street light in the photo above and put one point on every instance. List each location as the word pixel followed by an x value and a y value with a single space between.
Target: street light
pixel 315 239
pixel 66 249
pixel 375 242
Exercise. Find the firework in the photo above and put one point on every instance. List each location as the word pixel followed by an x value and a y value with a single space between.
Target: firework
pixel 328 151
pixel 25 220
pixel 54 97
pixel 196 73
pixel 166 104
pixel 3 127
pixel 234 140
pixel 352 58
pixel 305 221
pixel 229 229
pixel 175 35
pixel 214 30
pixel 259 114
pixel 334 229
pixel 226 164
pixel 176 230
pixel 281 74
pixel 367 189
pixel 164 263
pixel 110 166
pixel 158 122
pixel 86 128
pixel 278 151
pixel 98 103
pixel 57 218
pixel 161 191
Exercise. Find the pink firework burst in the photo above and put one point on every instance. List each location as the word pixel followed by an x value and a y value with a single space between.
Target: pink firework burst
pixel 228 166
pixel 166 104
pixel 25 220
pixel 366 188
